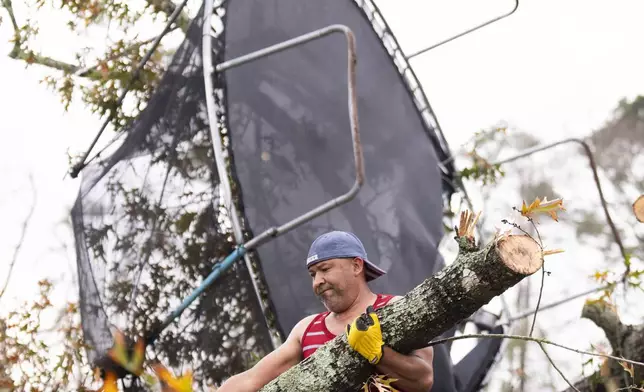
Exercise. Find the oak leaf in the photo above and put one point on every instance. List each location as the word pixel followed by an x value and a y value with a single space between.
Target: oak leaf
pixel 542 207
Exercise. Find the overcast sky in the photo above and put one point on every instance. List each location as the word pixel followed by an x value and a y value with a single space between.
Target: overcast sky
pixel 554 69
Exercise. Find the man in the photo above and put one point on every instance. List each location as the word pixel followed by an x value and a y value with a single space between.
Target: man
pixel 340 270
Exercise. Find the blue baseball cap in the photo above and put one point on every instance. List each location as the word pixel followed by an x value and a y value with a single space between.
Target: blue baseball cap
pixel 339 245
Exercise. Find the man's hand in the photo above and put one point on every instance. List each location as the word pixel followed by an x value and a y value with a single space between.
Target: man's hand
pixel 413 372
pixel 365 336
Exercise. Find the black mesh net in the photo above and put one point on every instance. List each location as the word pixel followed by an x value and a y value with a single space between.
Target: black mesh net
pixel 289 125
pixel 148 221
pixel 148 230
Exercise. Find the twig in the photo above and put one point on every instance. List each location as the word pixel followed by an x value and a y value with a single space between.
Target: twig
pixel 557 303
pixel 515 225
pixel 25 226
pixel 528 338
pixel 168 7
pixel 628 388
pixel 536 310
pixel 593 167
pixel 543 278
pixel 556 368
pixel 88 70
pixel 31 57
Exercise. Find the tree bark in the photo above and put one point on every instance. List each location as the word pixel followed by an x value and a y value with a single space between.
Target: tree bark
pixel 453 294
pixel 627 341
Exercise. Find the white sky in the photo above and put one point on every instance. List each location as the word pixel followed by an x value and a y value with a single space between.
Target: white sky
pixel 554 68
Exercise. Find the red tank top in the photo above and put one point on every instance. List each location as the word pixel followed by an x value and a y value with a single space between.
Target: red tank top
pixel 317 334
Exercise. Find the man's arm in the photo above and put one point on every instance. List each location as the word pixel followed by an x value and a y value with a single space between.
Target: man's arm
pixel 415 372
pixel 271 366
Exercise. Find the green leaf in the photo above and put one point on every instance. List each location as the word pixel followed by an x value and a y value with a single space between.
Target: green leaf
pixel 183 223
pixel 627 260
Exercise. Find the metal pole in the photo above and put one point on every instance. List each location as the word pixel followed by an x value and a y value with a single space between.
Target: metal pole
pixel 427 49
pixel 510 320
pixel 224 180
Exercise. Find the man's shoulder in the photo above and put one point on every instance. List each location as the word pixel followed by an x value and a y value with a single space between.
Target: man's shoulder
pixel 306 320
pixel 299 328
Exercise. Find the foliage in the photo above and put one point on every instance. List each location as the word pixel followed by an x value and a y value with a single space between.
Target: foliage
pixel 481 169
pixel 542 207
pixel 99 73
pixel 380 383
pixel 35 356
pixel 166 228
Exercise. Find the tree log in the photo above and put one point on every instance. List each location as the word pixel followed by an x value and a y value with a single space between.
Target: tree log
pixel 627 341
pixel 427 311
pixel 638 208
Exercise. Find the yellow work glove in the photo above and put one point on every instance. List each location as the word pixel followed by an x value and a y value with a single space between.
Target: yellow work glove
pixel 365 336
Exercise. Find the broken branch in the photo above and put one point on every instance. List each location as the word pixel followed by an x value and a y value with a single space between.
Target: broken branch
pixel 430 309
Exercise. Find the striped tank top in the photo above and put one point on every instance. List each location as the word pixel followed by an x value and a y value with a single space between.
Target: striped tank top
pixel 317 334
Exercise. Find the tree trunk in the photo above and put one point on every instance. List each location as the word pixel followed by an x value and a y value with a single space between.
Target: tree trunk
pixel 627 341
pixel 453 294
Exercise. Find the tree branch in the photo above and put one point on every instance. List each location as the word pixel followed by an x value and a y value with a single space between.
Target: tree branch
pixel 531 339
pixel 168 7
pixel 427 311
pixel 557 368
pixel 626 341
pixel 31 57
pixel 606 319
pixel 9 7
pixel 92 72
pixel 25 226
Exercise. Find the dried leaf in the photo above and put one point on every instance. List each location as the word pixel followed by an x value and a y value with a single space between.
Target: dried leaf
pixel 600 276
pixel 172 384
pixel 109 385
pixel 628 367
pixel 542 207
pixel 381 382
pixel 119 354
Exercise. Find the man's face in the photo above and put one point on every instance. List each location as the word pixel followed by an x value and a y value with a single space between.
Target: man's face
pixel 334 282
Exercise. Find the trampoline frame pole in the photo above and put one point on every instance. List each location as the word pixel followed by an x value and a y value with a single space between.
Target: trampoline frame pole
pixel 468 31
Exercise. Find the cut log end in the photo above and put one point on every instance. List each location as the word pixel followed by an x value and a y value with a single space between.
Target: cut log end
pixel 520 253
pixel 638 208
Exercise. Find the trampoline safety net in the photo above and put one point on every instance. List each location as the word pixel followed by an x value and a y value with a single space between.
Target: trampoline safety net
pixel 148 221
